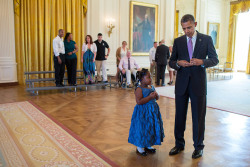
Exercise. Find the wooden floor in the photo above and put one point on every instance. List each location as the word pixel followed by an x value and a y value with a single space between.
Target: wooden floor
pixel 102 118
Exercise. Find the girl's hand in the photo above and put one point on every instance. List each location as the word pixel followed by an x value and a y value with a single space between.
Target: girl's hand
pixel 93 60
pixel 82 60
pixel 152 95
pixel 156 95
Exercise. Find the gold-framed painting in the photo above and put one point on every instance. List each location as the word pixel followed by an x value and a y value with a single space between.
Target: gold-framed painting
pixel 143 27
pixel 213 29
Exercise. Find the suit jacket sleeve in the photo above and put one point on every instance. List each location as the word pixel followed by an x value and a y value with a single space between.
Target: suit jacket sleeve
pixel 156 54
pixel 168 54
pixel 174 58
pixel 212 55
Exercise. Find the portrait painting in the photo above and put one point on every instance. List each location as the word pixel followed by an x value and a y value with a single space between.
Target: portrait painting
pixel 143 27
pixel 213 31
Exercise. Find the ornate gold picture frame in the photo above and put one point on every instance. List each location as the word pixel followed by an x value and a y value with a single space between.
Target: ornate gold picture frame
pixel 143 27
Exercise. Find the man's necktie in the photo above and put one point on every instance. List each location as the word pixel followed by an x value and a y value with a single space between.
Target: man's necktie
pixel 129 63
pixel 190 48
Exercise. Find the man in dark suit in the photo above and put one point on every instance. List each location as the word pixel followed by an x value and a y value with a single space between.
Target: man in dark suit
pixel 161 58
pixel 189 58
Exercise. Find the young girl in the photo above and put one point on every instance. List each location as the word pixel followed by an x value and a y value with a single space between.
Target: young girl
pixel 146 127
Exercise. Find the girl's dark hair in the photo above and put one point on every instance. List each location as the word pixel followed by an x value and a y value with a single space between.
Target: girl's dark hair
pixel 142 73
pixel 66 36
pixel 91 41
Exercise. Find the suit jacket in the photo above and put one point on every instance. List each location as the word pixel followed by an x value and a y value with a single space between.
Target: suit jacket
pixel 195 75
pixel 162 55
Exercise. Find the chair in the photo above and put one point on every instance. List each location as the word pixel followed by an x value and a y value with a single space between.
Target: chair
pixel 215 71
pixel 228 67
pixel 122 82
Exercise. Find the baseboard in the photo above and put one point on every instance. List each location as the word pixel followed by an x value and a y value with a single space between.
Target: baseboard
pixel 8 84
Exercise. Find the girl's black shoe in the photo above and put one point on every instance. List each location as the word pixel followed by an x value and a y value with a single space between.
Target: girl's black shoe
pixel 142 154
pixel 152 151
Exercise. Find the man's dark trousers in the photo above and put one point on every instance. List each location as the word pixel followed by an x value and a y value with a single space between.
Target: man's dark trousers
pixel 59 69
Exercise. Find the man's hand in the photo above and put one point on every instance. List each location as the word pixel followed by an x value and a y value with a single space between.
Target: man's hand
pixel 93 60
pixel 106 56
pixel 184 63
pixel 123 71
pixel 138 69
pixel 70 53
pixel 59 60
pixel 196 62
pixel 152 64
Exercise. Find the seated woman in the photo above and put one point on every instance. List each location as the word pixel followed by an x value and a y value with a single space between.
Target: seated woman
pixel 120 53
pixel 70 58
pixel 88 59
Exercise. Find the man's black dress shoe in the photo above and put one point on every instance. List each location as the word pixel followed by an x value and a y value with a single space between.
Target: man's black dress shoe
pixel 59 85
pixel 105 81
pixel 62 84
pixel 197 154
pixel 163 85
pixel 142 154
pixel 150 150
pixel 176 150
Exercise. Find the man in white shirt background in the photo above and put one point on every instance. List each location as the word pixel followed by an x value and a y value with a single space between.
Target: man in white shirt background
pixel 127 65
pixel 152 60
pixel 59 58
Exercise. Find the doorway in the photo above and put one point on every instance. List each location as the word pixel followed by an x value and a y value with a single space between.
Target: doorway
pixel 242 42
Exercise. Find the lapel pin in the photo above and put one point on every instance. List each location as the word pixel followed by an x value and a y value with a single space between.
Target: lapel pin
pixel 200 40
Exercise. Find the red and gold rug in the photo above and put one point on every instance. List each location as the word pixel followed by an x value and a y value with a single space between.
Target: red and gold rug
pixel 28 137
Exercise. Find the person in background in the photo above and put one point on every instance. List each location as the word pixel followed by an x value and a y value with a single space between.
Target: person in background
pixel 161 58
pixel 59 58
pixel 170 70
pixel 101 58
pixel 120 53
pixel 70 58
pixel 152 60
pixel 127 65
pixel 88 59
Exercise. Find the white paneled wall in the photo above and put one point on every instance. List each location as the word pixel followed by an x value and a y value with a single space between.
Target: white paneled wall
pixel 99 11
pixel 218 11
pixel 8 71
pixel 184 7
